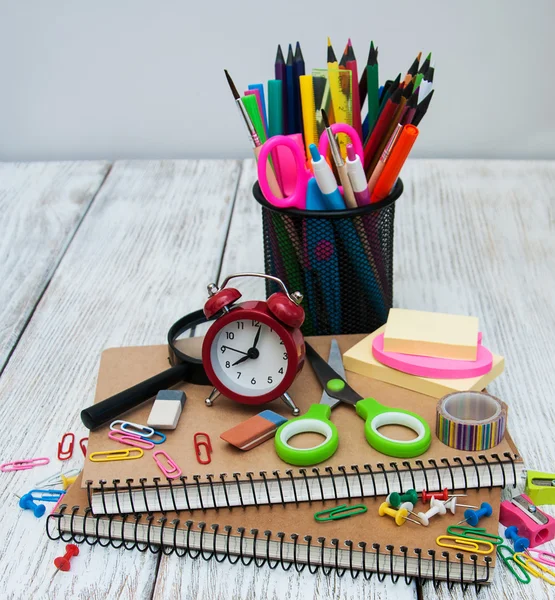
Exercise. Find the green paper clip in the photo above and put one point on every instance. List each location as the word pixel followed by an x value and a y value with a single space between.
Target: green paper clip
pixel 340 512
pixel 474 533
pixel 506 554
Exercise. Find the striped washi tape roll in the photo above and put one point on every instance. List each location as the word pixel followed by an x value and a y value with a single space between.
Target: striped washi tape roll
pixel 471 420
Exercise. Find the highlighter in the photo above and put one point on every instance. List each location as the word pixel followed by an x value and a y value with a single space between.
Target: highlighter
pixel 326 180
pixel 357 177
pixel 395 163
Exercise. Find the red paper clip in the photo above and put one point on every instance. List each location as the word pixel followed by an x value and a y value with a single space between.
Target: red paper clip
pixel 202 443
pixel 66 453
pixel 83 445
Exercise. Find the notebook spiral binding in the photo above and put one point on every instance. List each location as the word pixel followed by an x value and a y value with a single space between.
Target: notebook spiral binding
pixel 356 491
pixel 207 551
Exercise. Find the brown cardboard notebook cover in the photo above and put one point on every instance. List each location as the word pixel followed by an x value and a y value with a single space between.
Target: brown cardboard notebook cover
pixel 282 534
pixel 354 465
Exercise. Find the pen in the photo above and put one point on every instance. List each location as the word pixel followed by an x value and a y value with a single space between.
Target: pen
pixel 357 177
pixel 326 180
pixel 350 200
pixel 395 163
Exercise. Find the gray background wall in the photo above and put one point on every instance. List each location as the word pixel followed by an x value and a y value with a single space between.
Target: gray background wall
pixel 144 78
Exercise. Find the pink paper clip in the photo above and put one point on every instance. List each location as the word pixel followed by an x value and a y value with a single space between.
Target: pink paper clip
pixel 22 465
pixel 65 453
pixel 130 439
pixel 173 471
pixel 540 556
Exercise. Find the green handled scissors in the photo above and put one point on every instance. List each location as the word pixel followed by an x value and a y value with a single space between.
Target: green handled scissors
pixel 317 419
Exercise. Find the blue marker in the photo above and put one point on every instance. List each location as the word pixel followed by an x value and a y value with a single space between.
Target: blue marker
pixel 326 181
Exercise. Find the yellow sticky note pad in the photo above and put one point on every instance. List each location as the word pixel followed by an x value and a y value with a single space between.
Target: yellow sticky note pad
pixel 431 334
pixel 360 359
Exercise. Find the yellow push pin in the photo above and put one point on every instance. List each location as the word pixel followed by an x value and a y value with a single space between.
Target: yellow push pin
pixel 400 515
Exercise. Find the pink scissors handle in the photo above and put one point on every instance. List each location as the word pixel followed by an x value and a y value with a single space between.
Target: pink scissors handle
pixel 347 130
pixel 298 197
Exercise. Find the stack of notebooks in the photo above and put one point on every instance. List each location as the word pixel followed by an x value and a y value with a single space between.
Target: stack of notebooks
pixel 132 501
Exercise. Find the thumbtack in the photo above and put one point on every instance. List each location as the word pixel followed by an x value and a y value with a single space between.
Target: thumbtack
pixel 520 543
pixel 452 504
pixel 443 495
pixel 62 563
pixel 395 499
pixel 437 508
pixel 399 515
pixel 473 516
pixel 65 480
pixel 26 502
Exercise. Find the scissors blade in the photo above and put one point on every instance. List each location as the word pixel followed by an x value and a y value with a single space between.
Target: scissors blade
pixel 325 373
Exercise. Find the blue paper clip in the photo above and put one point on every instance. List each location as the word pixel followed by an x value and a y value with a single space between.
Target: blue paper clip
pixel 340 512
pixel 46 495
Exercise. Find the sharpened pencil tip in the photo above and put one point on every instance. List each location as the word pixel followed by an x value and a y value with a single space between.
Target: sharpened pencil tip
pixel 329 41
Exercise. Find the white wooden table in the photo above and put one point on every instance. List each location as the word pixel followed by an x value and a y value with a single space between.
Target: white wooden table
pixel 97 255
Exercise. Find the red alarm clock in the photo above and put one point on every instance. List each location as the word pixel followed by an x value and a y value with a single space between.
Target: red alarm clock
pixel 253 350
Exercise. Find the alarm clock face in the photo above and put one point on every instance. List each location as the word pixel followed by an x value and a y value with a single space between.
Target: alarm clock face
pixel 250 357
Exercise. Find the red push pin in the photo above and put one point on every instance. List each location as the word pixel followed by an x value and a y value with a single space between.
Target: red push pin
pixel 62 563
pixel 443 495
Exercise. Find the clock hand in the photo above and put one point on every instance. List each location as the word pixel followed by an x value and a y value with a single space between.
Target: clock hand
pixel 257 337
pixel 242 359
pixel 234 349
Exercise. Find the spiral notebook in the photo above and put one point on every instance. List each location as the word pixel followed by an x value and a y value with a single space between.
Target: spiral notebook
pixel 289 535
pixel 259 476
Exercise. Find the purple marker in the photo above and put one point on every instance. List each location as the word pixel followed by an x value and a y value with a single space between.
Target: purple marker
pixel 357 177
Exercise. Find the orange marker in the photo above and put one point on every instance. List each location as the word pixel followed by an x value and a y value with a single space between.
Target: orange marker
pixel 395 162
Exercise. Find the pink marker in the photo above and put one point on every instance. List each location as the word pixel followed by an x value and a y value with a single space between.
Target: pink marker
pixel 357 177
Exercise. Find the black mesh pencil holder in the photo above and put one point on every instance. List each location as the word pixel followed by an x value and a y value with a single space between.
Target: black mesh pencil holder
pixel 341 261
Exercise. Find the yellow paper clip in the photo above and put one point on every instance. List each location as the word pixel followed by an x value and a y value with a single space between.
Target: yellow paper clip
pixel 523 559
pixel 109 455
pixel 465 544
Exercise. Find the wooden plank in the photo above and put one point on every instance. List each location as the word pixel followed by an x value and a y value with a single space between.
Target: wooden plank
pixel 41 205
pixel 140 260
pixel 244 252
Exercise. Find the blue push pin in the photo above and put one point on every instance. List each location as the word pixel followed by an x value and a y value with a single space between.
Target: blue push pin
pixel 473 516
pixel 520 543
pixel 26 502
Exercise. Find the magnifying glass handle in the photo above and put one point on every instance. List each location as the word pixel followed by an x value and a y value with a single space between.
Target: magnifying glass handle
pixel 371 410
pixel 111 408
pixel 316 420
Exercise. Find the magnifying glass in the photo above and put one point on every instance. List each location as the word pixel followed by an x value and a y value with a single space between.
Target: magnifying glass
pixel 184 368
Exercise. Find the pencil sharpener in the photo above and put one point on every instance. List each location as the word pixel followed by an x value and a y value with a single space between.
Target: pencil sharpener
pixel 531 522
pixel 540 487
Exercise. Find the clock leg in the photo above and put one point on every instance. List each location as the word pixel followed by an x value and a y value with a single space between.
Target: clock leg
pixel 213 395
pixel 289 401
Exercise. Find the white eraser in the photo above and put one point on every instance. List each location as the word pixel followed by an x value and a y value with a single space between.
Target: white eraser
pixel 166 409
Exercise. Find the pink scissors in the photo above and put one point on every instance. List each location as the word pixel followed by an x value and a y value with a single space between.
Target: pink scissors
pixel 298 198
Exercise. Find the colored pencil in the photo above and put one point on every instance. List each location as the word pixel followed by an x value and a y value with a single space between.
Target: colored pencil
pixel 427 84
pixel 351 65
pixel 291 106
pixel 382 124
pixel 332 60
pixel 298 71
pixel 413 70
pixel 410 108
pixel 395 120
pixel 279 72
pixel 422 109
